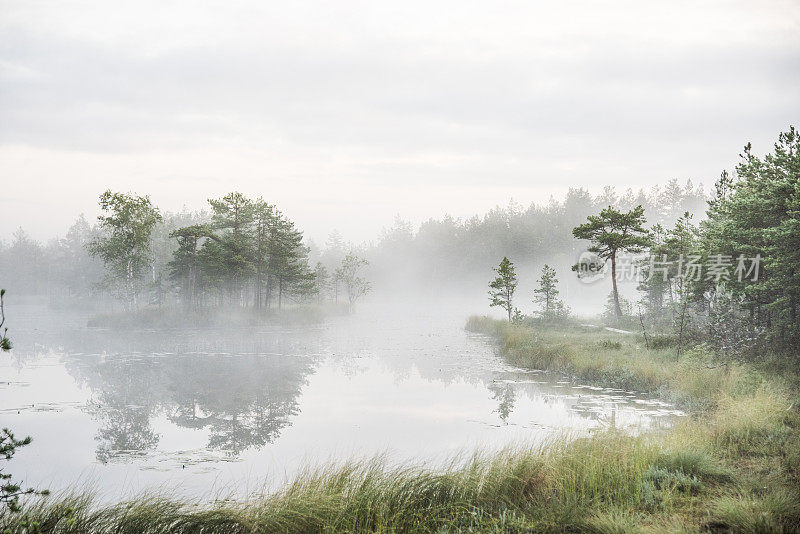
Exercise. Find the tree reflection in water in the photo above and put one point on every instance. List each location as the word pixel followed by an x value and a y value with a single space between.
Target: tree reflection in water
pixel 242 400
pixel 506 396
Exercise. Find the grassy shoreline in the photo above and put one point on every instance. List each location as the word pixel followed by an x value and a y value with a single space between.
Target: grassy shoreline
pixel 733 466
pixel 693 381
pixel 744 418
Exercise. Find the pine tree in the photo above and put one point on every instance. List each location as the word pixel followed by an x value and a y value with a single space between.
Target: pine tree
pixel 185 265
pixel 321 281
pixel 757 214
pixel 232 217
pixel 502 288
pixel 611 232
pixel 653 281
pixel 547 295
pixel 288 262
pixel 265 222
pixel 250 253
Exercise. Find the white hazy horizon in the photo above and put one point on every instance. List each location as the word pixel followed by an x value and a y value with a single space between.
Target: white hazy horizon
pixel 346 114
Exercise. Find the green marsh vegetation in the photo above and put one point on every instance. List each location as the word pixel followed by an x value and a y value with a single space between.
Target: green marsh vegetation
pixel 735 462
pixel 725 349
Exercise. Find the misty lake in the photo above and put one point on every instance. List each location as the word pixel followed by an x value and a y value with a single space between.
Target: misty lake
pixel 207 412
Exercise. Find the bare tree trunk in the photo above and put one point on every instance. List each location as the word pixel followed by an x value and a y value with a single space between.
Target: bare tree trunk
pixel 617 308
pixel 130 284
pixel 681 327
pixel 257 290
pixel 644 332
pixel 269 290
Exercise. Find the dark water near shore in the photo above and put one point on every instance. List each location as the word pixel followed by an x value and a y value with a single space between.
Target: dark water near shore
pixel 204 411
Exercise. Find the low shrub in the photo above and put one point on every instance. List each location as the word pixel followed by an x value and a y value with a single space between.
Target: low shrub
pixel 660 341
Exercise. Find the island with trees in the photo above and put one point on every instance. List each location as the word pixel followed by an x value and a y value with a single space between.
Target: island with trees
pixel 243 260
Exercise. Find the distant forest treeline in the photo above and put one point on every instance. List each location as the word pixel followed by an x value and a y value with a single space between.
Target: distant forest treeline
pixel 444 252
pixel 447 251
pixel 455 251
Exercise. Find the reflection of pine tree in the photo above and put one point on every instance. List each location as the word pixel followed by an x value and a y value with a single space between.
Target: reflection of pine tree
pixel 122 430
pixel 243 401
pixel 507 397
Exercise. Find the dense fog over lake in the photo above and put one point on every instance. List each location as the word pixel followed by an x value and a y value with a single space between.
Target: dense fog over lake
pixel 399 267
pixel 210 410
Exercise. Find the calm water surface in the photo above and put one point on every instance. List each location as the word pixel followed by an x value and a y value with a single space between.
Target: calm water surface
pixel 205 412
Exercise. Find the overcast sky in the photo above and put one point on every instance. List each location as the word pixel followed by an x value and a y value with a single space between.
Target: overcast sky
pixel 344 113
